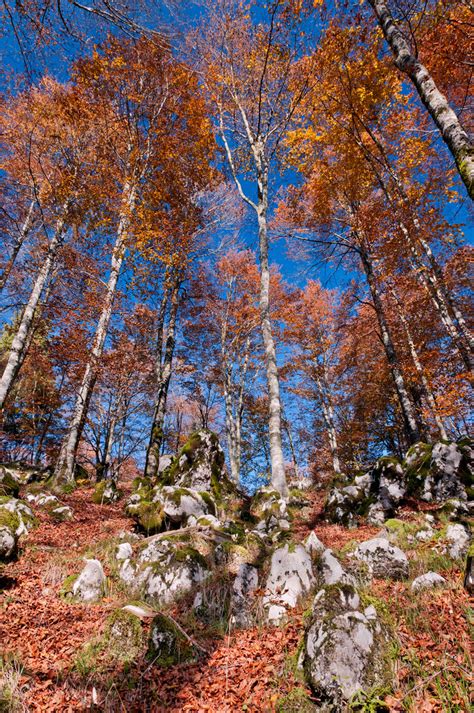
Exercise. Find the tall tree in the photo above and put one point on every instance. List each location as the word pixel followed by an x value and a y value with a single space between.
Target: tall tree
pixel 248 67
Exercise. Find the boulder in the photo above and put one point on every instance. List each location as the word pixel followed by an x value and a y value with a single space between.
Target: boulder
pixel 430 580
pixel 9 524
pixel 443 472
pixel 345 647
pixel 199 466
pixel 313 544
pixel 165 569
pixel 331 571
pixel 24 514
pixel 383 560
pixel 90 584
pixel 244 586
pixel 9 487
pixel 456 541
pixel 291 576
pixel 123 636
pixel 124 551
pixel 167 645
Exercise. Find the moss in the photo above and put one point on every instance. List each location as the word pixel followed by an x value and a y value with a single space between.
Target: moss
pixel 149 516
pixel 9 519
pixel 418 469
pixel 167 645
pixel 211 506
pixel 99 492
pixel 123 636
pixel 8 484
pixel 66 590
pixel 185 553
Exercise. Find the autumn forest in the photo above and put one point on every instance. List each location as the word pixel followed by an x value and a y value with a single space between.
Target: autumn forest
pixel 240 233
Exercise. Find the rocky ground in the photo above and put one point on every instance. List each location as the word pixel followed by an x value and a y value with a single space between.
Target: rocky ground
pixel 62 652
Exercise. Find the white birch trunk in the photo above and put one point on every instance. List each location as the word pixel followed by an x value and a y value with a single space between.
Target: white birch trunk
pixel 427 392
pixel 328 416
pixel 164 371
pixel 64 470
pixel 23 234
pixel 274 420
pixel 453 134
pixel 21 337
pixel 406 407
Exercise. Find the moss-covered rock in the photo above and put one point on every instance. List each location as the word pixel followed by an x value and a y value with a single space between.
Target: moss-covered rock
pixel 199 465
pixel 149 516
pixel 24 514
pixel 9 525
pixel 8 485
pixel 167 645
pixel 346 647
pixel 123 636
pixel 106 492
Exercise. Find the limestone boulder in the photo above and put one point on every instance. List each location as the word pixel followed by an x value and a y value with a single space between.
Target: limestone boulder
pixel 345 647
pixel 455 541
pixel 430 580
pixel 106 492
pixel 383 559
pixel 90 584
pixel 291 576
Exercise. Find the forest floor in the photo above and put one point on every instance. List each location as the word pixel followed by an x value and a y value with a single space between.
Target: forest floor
pixel 45 638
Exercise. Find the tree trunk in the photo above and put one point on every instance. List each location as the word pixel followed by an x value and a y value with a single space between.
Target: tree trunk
pixel 453 134
pixel 276 450
pixel 64 470
pixel 328 416
pixel 427 392
pixel 21 337
pixel 164 370
pixel 407 410
pixel 23 233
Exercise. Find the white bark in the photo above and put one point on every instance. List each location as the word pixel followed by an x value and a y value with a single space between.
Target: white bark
pixel 403 397
pixel 427 392
pixel 21 337
pixel 64 470
pixel 328 415
pixel 453 134
pixel 23 234
pixel 163 370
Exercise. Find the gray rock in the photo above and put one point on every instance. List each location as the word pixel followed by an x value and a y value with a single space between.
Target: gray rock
pixel 90 584
pixel 331 570
pixel 245 584
pixel 313 544
pixel 8 543
pixel 291 576
pixel 456 541
pixel 345 647
pixel 384 560
pixel 124 551
pixel 22 512
pixel 430 580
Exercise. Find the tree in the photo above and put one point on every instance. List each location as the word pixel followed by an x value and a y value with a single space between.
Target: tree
pixel 248 70
pixel 49 140
pixel 406 58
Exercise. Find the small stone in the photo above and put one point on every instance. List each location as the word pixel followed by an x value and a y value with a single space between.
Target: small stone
pixel 430 580
pixel 124 551
pixel 456 541
pixel 331 569
pixel 89 586
pixel 313 544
